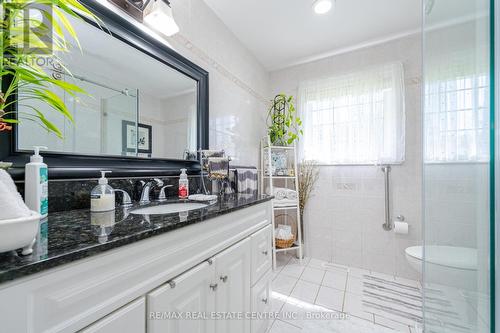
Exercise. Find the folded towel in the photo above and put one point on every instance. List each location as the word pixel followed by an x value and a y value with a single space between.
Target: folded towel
pixel 279 193
pixel 12 205
pixel 283 232
pixel 291 195
pixel 202 197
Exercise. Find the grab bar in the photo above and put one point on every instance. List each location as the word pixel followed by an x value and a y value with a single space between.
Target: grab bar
pixel 386 169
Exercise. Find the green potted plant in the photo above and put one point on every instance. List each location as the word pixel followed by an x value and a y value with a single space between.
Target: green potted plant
pixel 284 126
pixel 20 65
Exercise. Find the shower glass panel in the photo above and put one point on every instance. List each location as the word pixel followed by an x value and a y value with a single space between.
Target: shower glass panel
pixel 98 117
pixel 456 184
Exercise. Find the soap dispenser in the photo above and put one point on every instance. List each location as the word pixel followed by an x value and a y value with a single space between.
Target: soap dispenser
pixel 183 185
pixel 36 183
pixel 102 197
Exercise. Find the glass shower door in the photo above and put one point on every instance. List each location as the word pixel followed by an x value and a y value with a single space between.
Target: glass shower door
pixel 457 160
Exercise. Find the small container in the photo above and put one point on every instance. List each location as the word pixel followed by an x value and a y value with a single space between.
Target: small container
pixel 183 185
pixel 102 197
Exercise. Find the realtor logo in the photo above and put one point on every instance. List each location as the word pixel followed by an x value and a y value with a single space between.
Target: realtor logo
pixel 28 25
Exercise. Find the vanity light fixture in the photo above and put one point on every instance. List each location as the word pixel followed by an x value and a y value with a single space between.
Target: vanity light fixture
pixel 322 6
pixel 157 14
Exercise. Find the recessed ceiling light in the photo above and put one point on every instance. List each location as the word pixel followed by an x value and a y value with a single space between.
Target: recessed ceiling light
pixel 322 6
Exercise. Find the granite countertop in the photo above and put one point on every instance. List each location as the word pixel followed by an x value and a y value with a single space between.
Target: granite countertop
pixel 71 235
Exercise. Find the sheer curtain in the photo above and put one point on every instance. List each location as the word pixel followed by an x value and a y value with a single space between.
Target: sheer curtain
pixel 456 119
pixel 355 118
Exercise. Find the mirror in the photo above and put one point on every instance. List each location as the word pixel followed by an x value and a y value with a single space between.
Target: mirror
pixel 135 105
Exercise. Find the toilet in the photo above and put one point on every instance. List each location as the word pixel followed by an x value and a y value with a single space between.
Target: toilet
pixel 446 265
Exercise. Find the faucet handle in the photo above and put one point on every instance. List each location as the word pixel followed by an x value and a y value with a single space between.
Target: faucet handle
pixel 158 181
pixel 126 201
pixel 162 196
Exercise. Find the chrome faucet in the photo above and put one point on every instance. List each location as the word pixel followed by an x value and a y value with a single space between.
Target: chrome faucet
pixel 146 188
pixel 126 201
pixel 162 196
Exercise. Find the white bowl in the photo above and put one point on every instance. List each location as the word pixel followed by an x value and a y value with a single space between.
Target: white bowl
pixel 19 233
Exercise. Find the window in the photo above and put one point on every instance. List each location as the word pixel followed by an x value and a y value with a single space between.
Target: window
pixel 356 118
pixel 457 119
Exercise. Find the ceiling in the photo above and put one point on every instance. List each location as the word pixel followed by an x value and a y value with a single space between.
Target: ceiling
pixel 285 32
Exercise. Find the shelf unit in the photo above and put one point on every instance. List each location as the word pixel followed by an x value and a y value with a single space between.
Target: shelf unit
pixel 281 205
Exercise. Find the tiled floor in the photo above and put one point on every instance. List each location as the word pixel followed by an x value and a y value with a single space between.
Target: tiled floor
pixel 314 297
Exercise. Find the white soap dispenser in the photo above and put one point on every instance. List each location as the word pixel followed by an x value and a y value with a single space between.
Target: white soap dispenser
pixel 102 197
pixel 36 183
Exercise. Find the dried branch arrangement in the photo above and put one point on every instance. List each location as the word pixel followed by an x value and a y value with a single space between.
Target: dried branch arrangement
pixel 308 175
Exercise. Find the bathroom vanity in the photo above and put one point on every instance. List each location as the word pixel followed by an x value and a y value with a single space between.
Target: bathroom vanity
pixel 145 274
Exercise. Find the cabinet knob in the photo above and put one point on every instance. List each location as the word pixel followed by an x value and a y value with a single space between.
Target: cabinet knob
pixel 213 286
pixel 264 252
pixel 224 278
pixel 264 300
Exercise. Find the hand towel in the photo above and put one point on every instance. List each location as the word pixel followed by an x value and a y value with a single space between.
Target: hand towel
pixel 246 180
pixel 12 205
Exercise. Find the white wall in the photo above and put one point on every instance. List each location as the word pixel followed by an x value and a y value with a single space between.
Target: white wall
pixel 238 83
pixel 343 220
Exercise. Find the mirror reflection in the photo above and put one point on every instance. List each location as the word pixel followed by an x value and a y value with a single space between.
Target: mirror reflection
pixel 133 106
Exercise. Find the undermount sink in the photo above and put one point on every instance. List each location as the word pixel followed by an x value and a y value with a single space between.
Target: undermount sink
pixel 169 208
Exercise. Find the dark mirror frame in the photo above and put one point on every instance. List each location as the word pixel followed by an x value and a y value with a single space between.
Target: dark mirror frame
pixel 71 166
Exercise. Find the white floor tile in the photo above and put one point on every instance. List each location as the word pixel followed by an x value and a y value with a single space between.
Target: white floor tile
pixel 353 304
pixel 354 285
pixel 295 260
pixel 283 284
pixel 330 298
pixel 358 272
pixel 371 297
pixel 294 313
pixel 348 325
pixel 293 270
pixel 335 279
pixel 305 291
pixel 283 327
pixel 317 263
pixel 313 275
pixel 277 302
pixel 397 326
pixel 281 260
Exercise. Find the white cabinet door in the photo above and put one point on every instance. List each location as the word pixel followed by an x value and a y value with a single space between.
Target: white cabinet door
pixel 232 268
pixel 191 293
pixel 261 253
pixel 261 304
pixel 129 319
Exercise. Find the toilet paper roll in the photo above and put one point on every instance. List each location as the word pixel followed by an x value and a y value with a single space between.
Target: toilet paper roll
pixel 400 227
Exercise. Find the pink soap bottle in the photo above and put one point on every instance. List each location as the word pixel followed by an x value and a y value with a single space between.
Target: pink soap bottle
pixel 183 185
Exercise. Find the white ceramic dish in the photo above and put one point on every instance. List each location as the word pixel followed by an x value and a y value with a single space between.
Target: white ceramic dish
pixel 19 233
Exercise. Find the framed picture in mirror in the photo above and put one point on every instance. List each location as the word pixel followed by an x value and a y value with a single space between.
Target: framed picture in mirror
pixel 139 137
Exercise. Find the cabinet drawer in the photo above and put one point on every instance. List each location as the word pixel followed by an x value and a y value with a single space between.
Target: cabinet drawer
pixel 129 319
pixel 261 304
pixel 261 253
